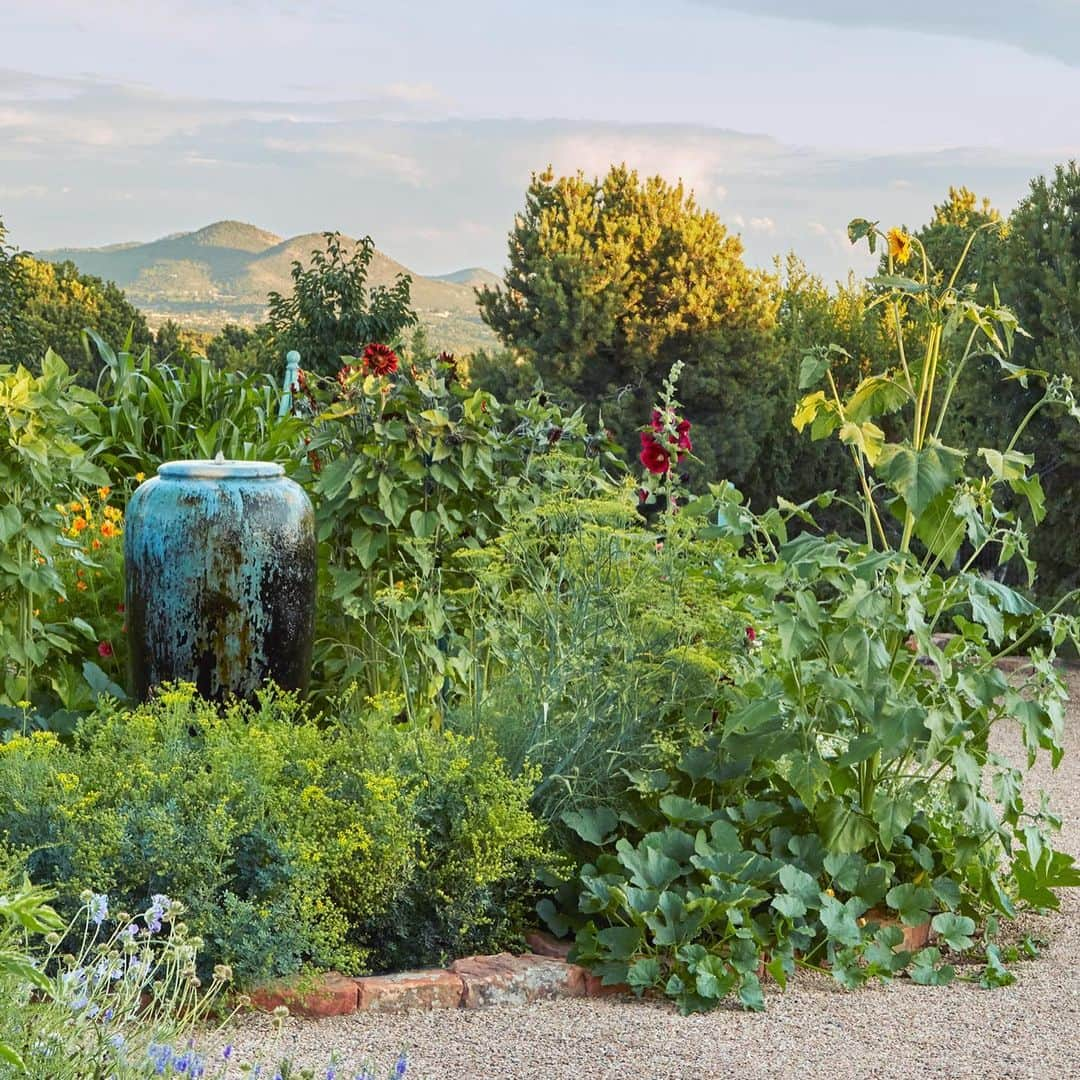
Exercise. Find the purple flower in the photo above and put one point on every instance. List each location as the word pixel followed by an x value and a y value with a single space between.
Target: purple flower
pixel 159 908
pixel 99 908
pixel 401 1066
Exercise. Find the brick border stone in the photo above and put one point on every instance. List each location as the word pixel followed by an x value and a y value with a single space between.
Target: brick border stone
pixel 472 982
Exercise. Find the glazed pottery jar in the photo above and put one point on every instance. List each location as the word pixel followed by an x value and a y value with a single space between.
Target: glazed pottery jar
pixel 220 578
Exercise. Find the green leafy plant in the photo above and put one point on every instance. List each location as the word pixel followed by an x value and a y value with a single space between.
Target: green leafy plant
pixel 149 413
pixel 406 468
pixel 593 641
pixel 44 456
pixel 107 1008
pixel 288 842
pixel 850 778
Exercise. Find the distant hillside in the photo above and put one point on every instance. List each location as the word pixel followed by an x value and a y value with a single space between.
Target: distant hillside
pixel 474 276
pixel 223 273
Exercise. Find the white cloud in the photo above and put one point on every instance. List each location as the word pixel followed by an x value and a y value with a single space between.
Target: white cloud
pixel 433 194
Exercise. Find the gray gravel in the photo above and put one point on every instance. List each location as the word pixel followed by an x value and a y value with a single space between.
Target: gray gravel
pixel 815 1029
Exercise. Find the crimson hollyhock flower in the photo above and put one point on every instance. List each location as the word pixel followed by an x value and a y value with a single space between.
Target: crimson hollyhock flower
pixel 380 359
pixel 655 457
pixel 682 436
pixel 104 649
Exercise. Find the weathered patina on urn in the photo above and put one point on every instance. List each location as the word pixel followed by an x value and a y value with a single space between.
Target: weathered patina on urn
pixel 220 575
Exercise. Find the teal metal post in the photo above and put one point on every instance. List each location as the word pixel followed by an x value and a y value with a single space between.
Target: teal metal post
pixel 292 373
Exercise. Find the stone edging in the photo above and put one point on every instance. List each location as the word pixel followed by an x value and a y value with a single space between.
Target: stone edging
pixel 470 983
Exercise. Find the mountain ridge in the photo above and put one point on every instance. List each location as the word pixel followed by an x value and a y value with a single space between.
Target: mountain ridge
pixel 224 271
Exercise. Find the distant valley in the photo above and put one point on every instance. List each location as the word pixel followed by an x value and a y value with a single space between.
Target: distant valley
pixel 223 273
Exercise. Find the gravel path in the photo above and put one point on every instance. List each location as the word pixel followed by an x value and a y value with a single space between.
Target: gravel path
pixel 815 1030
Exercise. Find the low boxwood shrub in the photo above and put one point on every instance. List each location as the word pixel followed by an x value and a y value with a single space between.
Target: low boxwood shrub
pixel 354 843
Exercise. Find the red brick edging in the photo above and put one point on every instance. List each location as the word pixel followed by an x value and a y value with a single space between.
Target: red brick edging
pixel 470 983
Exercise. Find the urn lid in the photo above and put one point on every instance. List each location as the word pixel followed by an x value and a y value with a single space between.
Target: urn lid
pixel 220 469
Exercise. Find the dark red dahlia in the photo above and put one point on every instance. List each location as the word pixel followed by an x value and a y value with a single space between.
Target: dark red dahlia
pixel 380 359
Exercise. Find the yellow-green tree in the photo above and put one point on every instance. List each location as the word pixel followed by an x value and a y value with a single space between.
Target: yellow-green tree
pixel 611 280
pixel 55 304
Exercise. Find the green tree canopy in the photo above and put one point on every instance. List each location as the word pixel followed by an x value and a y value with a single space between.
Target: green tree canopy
pixel 612 280
pixel 1040 280
pixel 332 312
pixel 54 304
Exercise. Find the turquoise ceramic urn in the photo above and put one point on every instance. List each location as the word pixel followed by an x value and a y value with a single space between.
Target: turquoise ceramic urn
pixel 220 579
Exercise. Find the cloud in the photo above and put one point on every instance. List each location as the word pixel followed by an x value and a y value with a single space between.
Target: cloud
pixel 1042 27
pixel 434 193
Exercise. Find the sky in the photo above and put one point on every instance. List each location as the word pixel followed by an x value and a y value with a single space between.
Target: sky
pixel 420 123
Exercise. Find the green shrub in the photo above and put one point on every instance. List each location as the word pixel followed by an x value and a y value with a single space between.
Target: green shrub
pixel 406 468
pixel 595 641
pixel 288 842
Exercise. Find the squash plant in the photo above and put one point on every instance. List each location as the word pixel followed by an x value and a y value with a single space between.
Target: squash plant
pixel 848 787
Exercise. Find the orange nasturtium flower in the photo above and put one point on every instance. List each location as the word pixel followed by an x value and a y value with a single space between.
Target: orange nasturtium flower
pixel 108 529
pixel 75 507
pixel 899 245
pixel 78 525
pixel 103 493
pixel 95 543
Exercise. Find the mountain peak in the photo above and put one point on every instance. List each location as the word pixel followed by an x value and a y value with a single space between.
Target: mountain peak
pixel 471 275
pixel 238 235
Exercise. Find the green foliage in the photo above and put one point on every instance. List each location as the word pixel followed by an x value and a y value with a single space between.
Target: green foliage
pixel 332 313
pixel 288 843
pixel 57 304
pixel 148 413
pixel 236 348
pixel 610 281
pixel 108 1008
pixel 46 422
pixel 14 338
pixel 842 778
pixel 407 468
pixel 1040 279
pixel 811 313
pixel 594 642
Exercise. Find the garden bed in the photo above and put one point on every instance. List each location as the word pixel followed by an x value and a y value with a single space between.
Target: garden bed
pixel 812 1030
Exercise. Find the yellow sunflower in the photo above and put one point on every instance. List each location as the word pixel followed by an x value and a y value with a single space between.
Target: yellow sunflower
pixel 899 245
